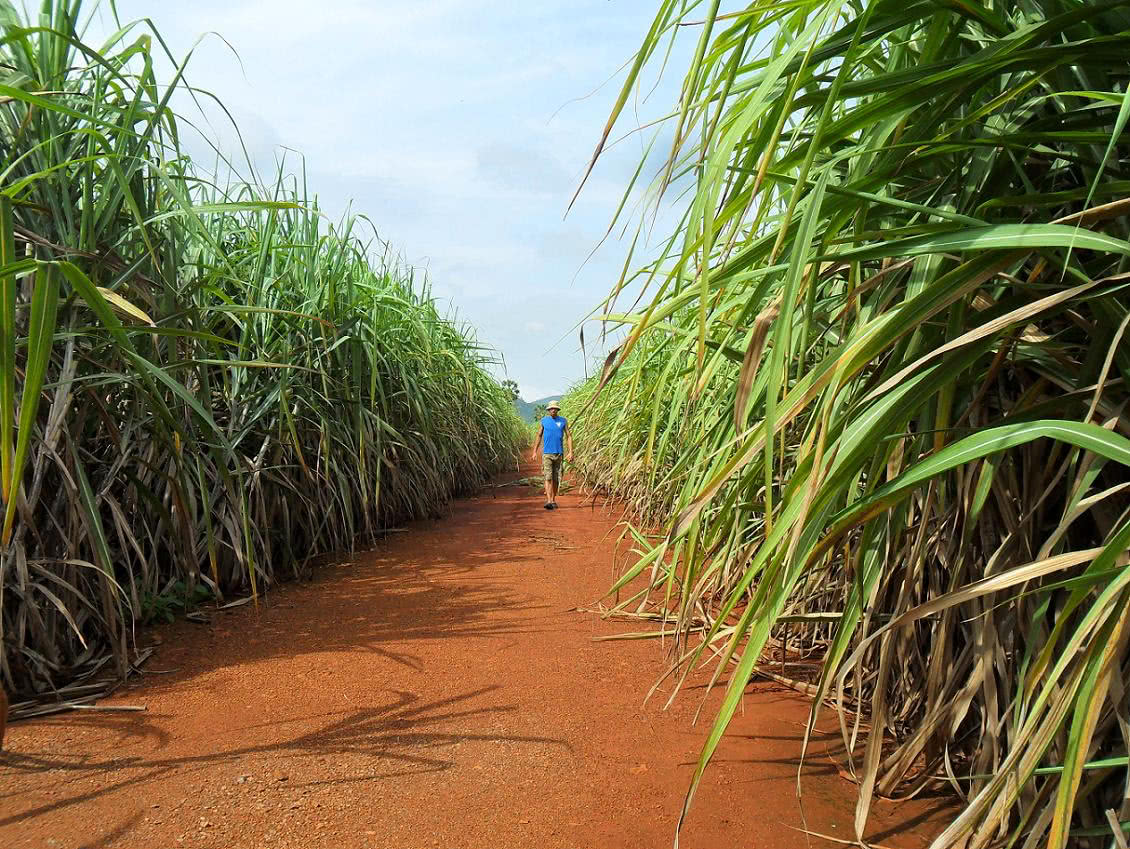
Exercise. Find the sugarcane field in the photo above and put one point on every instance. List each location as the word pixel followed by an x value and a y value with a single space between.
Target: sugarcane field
pixel 565 425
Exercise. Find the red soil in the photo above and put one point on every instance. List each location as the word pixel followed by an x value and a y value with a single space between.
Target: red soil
pixel 438 691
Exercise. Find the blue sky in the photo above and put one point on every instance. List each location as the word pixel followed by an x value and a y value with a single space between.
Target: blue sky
pixel 460 128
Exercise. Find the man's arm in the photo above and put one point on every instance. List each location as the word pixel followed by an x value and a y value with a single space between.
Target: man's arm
pixel 569 442
pixel 537 441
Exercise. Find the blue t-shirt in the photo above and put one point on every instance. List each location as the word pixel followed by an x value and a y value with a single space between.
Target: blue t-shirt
pixel 554 429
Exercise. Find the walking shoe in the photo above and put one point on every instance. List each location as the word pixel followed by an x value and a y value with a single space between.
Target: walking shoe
pixel 548 505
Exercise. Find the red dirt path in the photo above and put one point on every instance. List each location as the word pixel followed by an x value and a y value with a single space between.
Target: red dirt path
pixel 434 692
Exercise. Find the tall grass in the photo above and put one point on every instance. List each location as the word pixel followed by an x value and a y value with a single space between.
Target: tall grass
pixel 875 395
pixel 203 385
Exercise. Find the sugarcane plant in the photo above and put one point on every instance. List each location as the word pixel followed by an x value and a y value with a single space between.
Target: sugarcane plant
pixel 872 403
pixel 203 382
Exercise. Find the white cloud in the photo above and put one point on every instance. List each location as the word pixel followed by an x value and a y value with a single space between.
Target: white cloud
pixel 461 128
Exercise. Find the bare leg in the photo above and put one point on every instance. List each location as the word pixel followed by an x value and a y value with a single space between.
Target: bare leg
pixel 549 489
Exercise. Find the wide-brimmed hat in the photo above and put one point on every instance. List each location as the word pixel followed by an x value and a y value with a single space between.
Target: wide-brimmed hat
pixel 553 405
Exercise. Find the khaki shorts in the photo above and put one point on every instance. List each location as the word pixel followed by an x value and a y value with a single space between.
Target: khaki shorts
pixel 551 467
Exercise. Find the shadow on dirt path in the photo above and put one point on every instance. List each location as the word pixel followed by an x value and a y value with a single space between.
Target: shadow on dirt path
pixel 437 691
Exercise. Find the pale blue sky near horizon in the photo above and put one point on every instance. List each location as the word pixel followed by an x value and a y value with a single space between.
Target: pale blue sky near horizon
pixel 460 128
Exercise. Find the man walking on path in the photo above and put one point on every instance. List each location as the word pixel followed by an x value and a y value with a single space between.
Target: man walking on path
pixel 553 436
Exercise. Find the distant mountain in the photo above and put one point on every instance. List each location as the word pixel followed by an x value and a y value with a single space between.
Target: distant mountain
pixel 526 408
